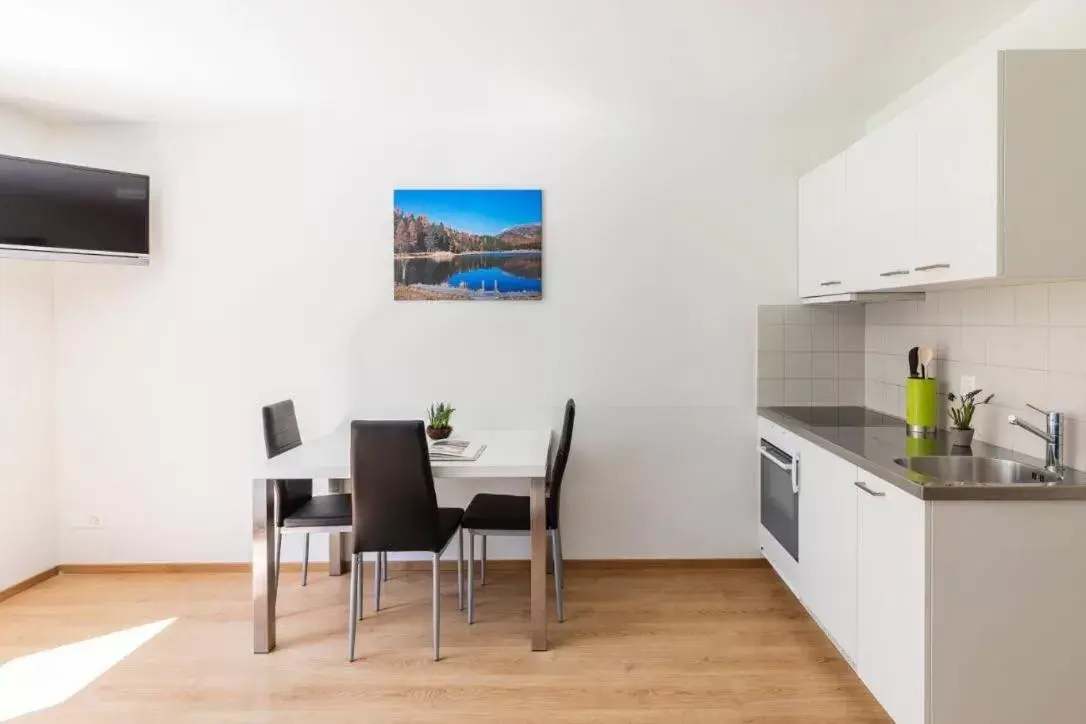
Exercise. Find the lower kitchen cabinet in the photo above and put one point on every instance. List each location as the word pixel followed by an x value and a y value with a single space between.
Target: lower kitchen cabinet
pixel 950 611
pixel 891 597
pixel 827 541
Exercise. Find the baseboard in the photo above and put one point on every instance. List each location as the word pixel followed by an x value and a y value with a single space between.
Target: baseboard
pixel 599 564
pixel 84 568
pixel 34 580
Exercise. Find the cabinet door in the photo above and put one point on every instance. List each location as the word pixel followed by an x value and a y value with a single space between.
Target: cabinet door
pixel 827 544
pixel 822 230
pixel 891 600
pixel 958 171
pixel 882 198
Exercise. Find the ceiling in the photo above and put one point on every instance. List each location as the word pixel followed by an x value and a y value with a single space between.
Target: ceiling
pixel 542 60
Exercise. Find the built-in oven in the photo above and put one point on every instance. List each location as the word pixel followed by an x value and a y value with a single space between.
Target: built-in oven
pixel 780 495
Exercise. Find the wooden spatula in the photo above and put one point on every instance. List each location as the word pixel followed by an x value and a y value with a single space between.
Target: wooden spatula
pixel 925 355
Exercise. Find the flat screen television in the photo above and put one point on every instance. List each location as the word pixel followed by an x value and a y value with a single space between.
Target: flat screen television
pixel 56 211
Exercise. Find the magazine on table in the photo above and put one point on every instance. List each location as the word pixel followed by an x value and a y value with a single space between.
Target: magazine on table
pixel 463 450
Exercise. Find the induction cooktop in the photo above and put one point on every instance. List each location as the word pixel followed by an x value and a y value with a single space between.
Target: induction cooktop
pixel 847 416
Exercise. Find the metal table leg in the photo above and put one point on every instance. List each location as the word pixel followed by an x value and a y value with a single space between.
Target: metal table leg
pixel 338 543
pixel 538 500
pixel 263 566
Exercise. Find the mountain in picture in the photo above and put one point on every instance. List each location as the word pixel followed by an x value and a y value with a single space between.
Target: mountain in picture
pixel 468 244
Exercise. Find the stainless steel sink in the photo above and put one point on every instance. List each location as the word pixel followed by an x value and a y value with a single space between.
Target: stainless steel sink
pixel 978 471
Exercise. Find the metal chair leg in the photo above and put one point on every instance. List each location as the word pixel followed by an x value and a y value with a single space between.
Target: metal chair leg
pixel 305 561
pixel 355 602
pixel 471 576
pixel 278 554
pixel 482 563
pixel 384 567
pixel 460 569
pixel 377 582
pixel 360 584
pixel 559 581
pixel 437 607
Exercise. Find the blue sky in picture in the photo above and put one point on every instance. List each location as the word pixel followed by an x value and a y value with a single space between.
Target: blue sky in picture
pixel 478 211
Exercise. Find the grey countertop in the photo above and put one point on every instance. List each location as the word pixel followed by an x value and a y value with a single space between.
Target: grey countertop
pixel 872 441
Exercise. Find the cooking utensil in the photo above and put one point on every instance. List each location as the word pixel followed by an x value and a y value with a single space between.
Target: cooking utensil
pixel 925 355
pixel 914 361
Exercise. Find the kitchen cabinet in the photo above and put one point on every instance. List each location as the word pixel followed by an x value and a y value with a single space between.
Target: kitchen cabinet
pixel 958 180
pixel 881 206
pixel 822 229
pixel 949 611
pixel 827 535
pixel 892 597
pixel 980 180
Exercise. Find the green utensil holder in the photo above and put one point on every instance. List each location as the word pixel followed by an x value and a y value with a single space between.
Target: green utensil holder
pixel 921 406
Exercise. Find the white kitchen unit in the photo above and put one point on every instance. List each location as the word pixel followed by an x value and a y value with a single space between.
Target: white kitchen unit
pixel 980 181
pixel 950 611
pixel 827 539
pixel 822 230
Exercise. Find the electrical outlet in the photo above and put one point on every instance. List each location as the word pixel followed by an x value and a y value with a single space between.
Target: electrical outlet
pixel 969 383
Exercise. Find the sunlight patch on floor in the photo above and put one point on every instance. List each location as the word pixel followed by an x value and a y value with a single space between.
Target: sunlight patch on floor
pixel 42 680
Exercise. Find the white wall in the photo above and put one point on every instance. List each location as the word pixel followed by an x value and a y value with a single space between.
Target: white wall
pixel 28 538
pixel 1047 24
pixel 270 277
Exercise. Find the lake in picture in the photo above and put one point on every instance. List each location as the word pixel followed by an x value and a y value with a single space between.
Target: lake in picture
pixel 468 245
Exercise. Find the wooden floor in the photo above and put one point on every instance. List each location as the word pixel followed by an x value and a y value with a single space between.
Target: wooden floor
pixel 657 645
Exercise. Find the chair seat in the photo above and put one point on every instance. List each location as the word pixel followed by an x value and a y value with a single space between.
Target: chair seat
pixel 488 511
pixel 321 510
pixel 414 541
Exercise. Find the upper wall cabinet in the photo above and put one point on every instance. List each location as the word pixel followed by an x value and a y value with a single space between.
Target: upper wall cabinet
pixel 822 230
pixel 980 180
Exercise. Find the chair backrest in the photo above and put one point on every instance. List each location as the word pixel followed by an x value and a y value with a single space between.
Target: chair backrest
pixel 558 469
pixel 281 434
pixel 392 487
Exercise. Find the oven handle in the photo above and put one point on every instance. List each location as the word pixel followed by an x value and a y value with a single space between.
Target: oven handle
pixel 764 451
pixel 792 470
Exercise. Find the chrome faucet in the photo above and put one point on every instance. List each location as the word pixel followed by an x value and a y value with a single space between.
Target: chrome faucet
pixel 1053 436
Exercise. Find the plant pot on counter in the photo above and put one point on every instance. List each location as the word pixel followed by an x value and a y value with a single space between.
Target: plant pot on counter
pixel 438 433
pixel 960 438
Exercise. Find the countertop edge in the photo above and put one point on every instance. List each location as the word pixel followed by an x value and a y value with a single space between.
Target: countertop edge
pixel 923 492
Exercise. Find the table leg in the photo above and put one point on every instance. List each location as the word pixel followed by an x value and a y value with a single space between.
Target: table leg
pixel 263 566
pixel 338 557
pixel 539 563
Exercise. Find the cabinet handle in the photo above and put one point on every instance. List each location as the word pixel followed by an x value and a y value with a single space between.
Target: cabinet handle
pixel 829 284
pixel 930 267
pixel 895 273
pixel 869 491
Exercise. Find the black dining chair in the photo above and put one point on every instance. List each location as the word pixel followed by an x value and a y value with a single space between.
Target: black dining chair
pixel 490 514
pixel 395 510
pixel 297 510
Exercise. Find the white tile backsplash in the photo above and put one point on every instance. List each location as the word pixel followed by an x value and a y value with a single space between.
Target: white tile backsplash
pixel 811 356
pixel 797 392
pixel 771 337
pixel 1031 305
pixel 823 338
pixel 1024 343
pixel 824 366
pixel 1001 307
pixel 1066 302
pixel 797 338
pixel 850 338
pixel 797 365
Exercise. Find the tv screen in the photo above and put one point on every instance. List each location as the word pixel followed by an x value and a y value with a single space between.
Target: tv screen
pixel 60 211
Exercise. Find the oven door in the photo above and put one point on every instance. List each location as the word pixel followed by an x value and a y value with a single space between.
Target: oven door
pixel 780 495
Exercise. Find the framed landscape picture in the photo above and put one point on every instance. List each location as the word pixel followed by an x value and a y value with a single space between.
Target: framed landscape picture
pixel 470 244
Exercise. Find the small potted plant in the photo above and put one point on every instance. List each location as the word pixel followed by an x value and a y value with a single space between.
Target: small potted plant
pixel 439 415
pixel 961 433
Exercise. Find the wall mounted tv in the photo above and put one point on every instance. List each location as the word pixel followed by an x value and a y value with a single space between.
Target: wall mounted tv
pixel 55 211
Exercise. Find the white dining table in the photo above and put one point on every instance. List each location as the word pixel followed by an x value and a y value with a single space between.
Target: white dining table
pixel 518 456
